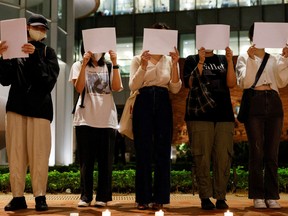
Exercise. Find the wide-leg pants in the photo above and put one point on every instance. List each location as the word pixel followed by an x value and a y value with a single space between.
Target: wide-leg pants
pixel 95 144
pixel 264 127
pixel 152 127
pixel 212 146
pixel 28 143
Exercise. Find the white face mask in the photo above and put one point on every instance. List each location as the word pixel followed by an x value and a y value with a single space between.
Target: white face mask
pixel 37 35
pixel 97 56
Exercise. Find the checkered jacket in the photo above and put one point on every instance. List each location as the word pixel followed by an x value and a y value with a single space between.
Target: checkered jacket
pixel 199 99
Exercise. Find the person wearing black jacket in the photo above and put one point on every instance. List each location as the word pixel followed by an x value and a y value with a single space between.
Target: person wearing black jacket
pixel 29 113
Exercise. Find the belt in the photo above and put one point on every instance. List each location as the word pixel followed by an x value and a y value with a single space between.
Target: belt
pixel 153 89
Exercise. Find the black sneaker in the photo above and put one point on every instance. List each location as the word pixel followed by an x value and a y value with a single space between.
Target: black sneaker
pixel 206 204
pixel 16 203
pixel 41 204
pixel 221 204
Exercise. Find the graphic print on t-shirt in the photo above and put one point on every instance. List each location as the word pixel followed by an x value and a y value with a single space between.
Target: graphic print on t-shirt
pixel 98 83
pixel 215 72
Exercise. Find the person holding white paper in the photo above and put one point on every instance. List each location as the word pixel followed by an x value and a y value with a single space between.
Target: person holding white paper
pixel 95 121
pixel 29 113
pixel 153 76
pixel 211 128
pixel 265 120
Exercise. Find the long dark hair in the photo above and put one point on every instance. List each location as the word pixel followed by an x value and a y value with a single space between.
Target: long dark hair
pixel 251 32
pixel 100 62
pixel 160 25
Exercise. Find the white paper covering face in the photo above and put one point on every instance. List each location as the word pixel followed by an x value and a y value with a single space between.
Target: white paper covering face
pixel 14 32
pixel 160 41
pixel 99 40
pixel 214 37
pixel 270 35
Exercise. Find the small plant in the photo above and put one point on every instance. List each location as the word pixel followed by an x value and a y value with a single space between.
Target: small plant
pixel 184 152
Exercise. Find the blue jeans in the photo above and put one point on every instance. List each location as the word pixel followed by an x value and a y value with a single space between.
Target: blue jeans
pixel 263 128
pixel 152 128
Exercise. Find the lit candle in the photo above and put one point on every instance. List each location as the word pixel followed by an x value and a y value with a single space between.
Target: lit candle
pixel 228 213
pixel 159 213
pixel 106 213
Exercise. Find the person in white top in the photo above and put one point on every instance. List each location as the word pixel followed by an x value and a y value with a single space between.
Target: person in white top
pixel 265 120
pixel 153 76
pixel 95 121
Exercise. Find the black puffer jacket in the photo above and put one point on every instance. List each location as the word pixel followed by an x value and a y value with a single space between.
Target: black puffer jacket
pixel 32 80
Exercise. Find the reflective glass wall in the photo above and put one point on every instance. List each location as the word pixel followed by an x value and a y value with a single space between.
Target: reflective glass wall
pixel 10 9
pixel 116 7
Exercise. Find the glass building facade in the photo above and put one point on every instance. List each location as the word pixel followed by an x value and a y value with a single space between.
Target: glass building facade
pixel 131 16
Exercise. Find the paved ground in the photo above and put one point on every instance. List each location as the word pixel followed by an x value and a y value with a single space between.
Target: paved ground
pixel 124 205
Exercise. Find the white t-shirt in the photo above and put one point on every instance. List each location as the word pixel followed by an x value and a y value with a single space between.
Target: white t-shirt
pixel 99 108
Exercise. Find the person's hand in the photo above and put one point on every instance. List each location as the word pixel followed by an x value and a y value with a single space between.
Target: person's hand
pixel 229 54
pixel 174 56
pixel 285 51
pixel 3 47
pixel 28 48
pixel 145 57
pixel 201 53
pixel 113 57
pixel 251 51
pixel 86 57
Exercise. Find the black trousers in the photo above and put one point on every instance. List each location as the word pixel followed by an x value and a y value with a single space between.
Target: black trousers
pixel 152 127
pixel 264 127
pixel 95 144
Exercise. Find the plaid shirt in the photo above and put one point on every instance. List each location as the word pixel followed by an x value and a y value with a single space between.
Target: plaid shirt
pixel 199 99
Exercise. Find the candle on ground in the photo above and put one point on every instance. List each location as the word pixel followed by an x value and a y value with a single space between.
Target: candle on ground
pixel 228 213
pixel 159 213
pixel 106 213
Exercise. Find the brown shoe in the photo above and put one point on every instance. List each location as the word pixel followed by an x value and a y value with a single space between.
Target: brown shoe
pixel 157 206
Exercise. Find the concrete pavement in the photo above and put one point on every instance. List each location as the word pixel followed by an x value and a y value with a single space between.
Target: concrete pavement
pixel 124 205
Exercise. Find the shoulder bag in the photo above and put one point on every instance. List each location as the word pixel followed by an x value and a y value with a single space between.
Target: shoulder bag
pixel 125 124
pixel 249 93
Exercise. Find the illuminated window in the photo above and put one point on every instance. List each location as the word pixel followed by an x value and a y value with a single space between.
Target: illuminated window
pixel 187 45
pixel 266 2
pixel 244 42
pixel 161 5
pixel 124 7
pixel 234 42
pixel 144 6
pixel 226 3
pixel 125 54
pixel 248 3
pixel 186 5
pixel 106 7
pixel 138 45
pixel 205 4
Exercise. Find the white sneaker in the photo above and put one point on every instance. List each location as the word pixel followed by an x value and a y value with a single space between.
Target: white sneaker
pixel 273 204
pixel 100 204
pixel 259 204
pixel 82 203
